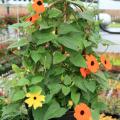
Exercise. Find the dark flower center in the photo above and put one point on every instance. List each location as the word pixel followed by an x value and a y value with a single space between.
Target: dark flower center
pixel 105 62
pixel 35 98
pixel 39 3
pixel 92 63
pixel 31 19
pixel 82 112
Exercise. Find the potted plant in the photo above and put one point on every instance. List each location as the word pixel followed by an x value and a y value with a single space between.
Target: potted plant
pixel 61 76
pixel 111 98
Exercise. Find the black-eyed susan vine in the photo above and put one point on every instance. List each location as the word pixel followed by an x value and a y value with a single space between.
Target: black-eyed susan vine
pixel 60 69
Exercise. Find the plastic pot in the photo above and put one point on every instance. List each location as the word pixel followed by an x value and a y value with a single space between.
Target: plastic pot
pixel 67 116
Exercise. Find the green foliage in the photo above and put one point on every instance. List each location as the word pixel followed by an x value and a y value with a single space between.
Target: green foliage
pixel 54 111
pixel 18 95
pixel 100 106
pixel 90 85
pixel 14 111
pixel 66 28
pixel 67 80
pixel 36 79
pixel 39 113
pixel 75 96
pixel 42 37
pixel 58 57
pixel 20 43
pixel 72 41
pixel 54 13
pixel 35 89
pixel 95 114
pixel 78 81
pixel 54 88
pixel 23 82
pixel 65 90
pixel 78 60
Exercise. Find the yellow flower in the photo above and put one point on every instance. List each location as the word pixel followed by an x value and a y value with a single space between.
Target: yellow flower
pixel 103 117
pixel 70 103
pixel 35 99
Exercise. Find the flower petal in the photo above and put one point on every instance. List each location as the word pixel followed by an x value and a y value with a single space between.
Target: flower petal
pixel 29 101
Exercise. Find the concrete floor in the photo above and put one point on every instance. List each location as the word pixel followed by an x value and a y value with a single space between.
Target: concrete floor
pixel 113 38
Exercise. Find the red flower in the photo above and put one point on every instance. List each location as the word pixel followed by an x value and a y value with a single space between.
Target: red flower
pixel 84 72
pixel 38 6
pixel 33 18
pixel 92 63
pixel 82 112
pixel 106 63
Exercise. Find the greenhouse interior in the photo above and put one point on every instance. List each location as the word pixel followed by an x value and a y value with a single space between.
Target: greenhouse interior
pixel 59 59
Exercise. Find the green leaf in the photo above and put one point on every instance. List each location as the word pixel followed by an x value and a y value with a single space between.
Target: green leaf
pixel 99 106
pixel 88 15
pixel 36 79
pixel 58 57
pixel 73 41
pixel 19 43
pixel 18 95
pixel 78 60
pixel 101 75
pixel 43 37
pixel 68 42
pixel 75 96
pixel 41 50
pixel 95 38
pixel 38 114
pixel 35 89
pixel 46 60
pixel 16 69
pixel 35 56
pixel 44 26
pixel 23 82
pixel 95 114
pixel 54 88
pixel 65 90
pixel 65 28
pixel 54 12
pixel 67 80
pixel 10 109
pixel 48 98
pixel 79 82
pixel 86 43
pixel 90 85
pixel 23 25
pixel 54 111
pixel 58 70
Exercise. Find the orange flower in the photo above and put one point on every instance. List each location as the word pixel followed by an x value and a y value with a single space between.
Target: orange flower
pixel 92 63
pixel 33 18
pixel 106 63
pixel 84 72
pixel 38 6
pixel 82 112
